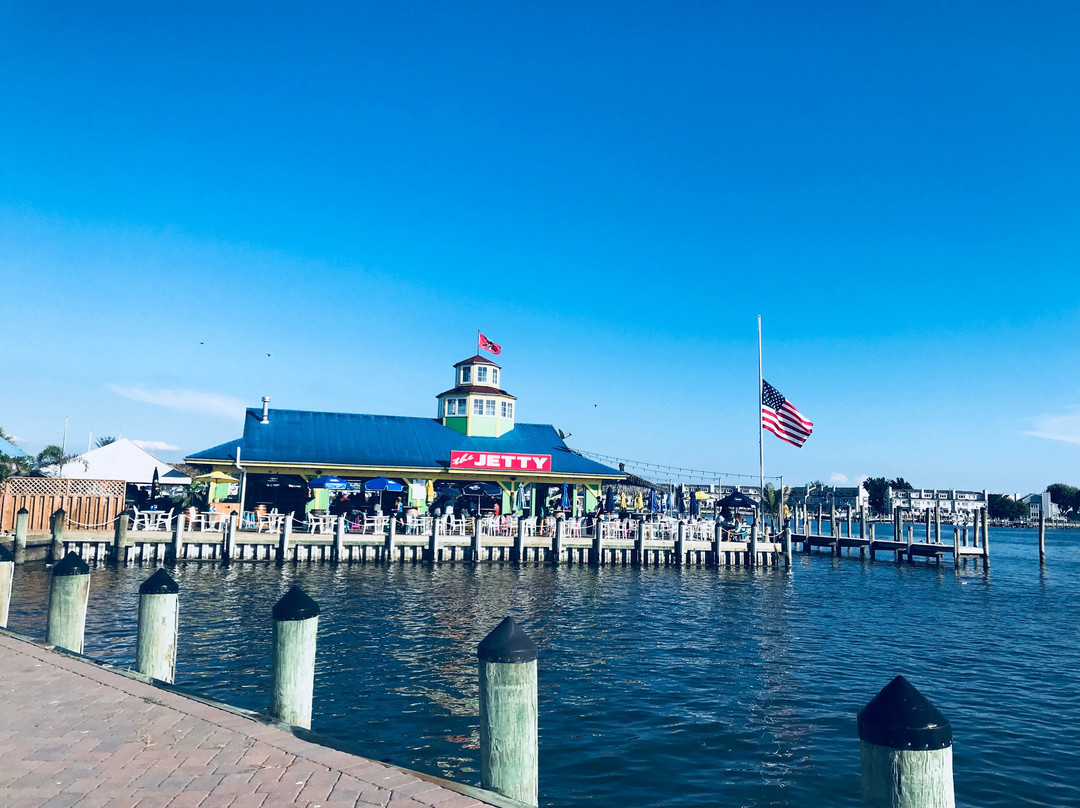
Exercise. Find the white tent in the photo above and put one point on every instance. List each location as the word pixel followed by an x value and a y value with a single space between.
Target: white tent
pixel 121 460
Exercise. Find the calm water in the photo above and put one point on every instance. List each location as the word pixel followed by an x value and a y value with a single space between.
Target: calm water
pixel 658 687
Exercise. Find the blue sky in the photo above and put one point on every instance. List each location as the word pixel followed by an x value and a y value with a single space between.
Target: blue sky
pixel 204 204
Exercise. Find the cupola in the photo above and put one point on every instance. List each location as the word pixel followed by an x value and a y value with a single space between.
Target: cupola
pixel 476 405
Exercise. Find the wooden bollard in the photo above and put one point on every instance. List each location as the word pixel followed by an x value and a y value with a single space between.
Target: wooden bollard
pixel 508 713
pixel 296 624
pixel 718 536
pixel 986 538
pixel 120 540
pixel 391 539
pixel 849 516
pixel 598 543
pixel 956 547
pixel 7 572
pixel 680 544
pixel 68 595
pixel 639 544
pixel 59 518
pixel 834 527
pixel 159 614
pixel 433 540
pixel 820 520
pixel 786 539
pixel 1042 537
pixel 862 522
pixel 477 541
pixel 928 526
pixel 339 539
pixel 937 523
pixel 177 548
pixel 751 559
pixel 284 539
pixel 22 524
pixel 228 541
pixel 557 540
pixel 906 750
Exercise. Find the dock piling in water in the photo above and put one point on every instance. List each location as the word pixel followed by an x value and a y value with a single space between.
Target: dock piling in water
pixel 296 625
pixel 56 526
pixel 69 592
pixel 22 523
pixel 509 713
pixel 159 611
pixel 7 572
pixel 905 750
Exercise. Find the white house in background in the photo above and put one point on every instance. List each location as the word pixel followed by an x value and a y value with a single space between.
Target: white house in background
pixel 120 460
pixel 1040 503
pixel 949 501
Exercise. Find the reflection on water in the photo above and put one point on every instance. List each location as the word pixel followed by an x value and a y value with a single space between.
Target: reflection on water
pixel 666 687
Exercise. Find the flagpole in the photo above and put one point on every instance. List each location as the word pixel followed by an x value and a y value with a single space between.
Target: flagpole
pixel 761 428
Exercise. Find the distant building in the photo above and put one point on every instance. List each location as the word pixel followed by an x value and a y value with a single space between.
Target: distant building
pixel 1040 503
pixel 949 501
pixel 817 496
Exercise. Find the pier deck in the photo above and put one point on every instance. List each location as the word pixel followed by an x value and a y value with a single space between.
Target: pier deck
pixel 77 735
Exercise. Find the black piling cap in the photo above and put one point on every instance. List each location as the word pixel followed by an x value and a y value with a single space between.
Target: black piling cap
pixel 295 605
pixel 71 564
pixel 21 511
pixel 507 643
pixel 160 583
pixel 900 717
pixel 5 554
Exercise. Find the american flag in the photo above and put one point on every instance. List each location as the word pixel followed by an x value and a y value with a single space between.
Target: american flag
pixel 779 416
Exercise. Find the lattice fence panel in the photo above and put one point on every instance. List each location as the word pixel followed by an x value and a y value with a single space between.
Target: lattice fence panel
pixel 88 504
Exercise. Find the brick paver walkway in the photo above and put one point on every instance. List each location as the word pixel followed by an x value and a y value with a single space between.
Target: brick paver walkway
pixel 75 735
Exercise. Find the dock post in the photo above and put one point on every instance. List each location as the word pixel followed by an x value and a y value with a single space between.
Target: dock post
pixel 956 547
pixel 787 546
pixel 849 521
pixel 910 540
pixel 928 537
pixel 986 539
pixel 159 610
pixel 751 559
pixel 433 540
pixel 905 750
pixel 519 541
pixel 296 626
pixel 862 522
pixel 7 572
pixel 120 537
pixel 228 541
pixel 391 539
pixel 598 543
pixel 834 529
pixel 937 523
pixel 873 534
pixel 177 547
pixel 639 544
pixel 22 523
pixel 68 594
pixel 718 536
pixel 57 529
pixel 557 540
pixel 339 540
pixel 820 519
pixel 508 713
pixel 1042 537
pixel 284 539
pixel 680 544
pixel 477 540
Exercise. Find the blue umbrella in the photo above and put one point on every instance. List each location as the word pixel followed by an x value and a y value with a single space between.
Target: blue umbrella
pixel 564 499
pixel 695 509
pixel 519 498
pixel 670 504
pixel 680 500
pixel 609 500
pixel 382 484
pixel 654 500
pixel 332 483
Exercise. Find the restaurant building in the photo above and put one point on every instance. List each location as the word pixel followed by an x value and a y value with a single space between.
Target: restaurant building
pixel 474 444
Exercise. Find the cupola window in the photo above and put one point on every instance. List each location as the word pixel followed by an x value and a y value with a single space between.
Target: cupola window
pixel 466 374
pixel 481 374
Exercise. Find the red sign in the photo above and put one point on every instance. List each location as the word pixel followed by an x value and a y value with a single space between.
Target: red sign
pixel 500 460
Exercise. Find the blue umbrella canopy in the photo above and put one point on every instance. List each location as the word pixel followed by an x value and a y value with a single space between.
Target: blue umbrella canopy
pixel 382 484
pixel 332 483
pixel 680 499
pixel 654 500
pixel 519 498
pixel 609 500
pixel 695 508
pixel 564 497
pixel 737 499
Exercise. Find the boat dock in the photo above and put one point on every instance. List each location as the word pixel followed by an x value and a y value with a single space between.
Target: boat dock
pixel 88 735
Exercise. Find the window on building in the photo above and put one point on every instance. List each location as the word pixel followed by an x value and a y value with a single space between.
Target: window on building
pixel 450 406
pixel 462 406
pixel 495 376
pixel 466 374
pixel 481 374
pixel 489 406
pixel 507 409
pixel 478 406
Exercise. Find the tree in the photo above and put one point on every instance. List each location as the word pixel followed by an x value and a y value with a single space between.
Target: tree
pixel 1066 497
pixel 773 499
pixel 104 440
pixel 1002 506
pixel 878 487
pixel 9 438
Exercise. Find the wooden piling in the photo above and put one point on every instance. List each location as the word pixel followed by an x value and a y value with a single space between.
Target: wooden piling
pixel 905 750
pixel 228 541
pixel 69 592
pixel 433 540
pixel 862 522
pixel 928 516
pixel 56 525
pixel 597 557
pixel 849 521
pixel 7 572
pixel 478 541
pixel 787 546
pixel 752 554
pixel 956 547
pixel 834 528
pixel 391 539
pixel 159 613
pixel 986 539
pixel 284 539
pixel 508 713
pixel 718 536
pixel 339 540
pixel 296 626
pixel 557 540
pixel 22 523
pixel 639 545
pixel 177 548
pixel 937 523
pixel 1042 537
pixel 120 537
pixel 680 544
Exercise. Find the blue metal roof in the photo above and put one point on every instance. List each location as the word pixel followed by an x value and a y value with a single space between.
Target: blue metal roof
pixel 386 441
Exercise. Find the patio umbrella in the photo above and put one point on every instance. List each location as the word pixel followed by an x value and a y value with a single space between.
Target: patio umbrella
pixel 639 501
pixel 654 500
pixel 519 498
pixel 381 484
pixel 609 500
pixel 695 508
pixel 680 500
pixel 330 483
pixel 155 484
pixel 216 477
pixel 622 500
pixel 429 491
pixel 737 499
pixel 564 497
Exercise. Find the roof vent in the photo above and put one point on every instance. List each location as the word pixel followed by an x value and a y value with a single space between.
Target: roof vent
pixel 266 410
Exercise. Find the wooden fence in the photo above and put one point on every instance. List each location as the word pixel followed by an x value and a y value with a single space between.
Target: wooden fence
pixel 89 504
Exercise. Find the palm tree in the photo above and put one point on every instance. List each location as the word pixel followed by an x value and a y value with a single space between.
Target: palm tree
pixel 104 440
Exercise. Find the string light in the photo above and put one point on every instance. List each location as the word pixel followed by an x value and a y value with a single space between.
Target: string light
pixel 675 472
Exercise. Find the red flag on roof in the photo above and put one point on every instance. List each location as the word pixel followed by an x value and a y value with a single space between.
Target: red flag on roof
pixel 488 345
